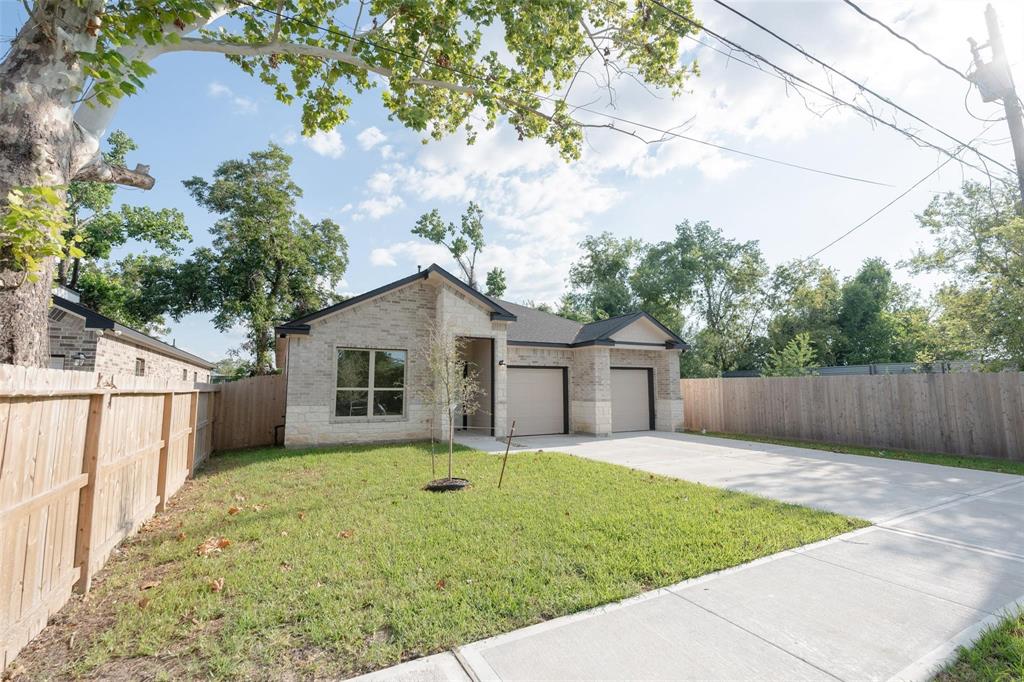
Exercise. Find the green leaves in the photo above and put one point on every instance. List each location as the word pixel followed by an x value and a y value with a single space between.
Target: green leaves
pixel 268 263
pixel 427 57
pixel 32 228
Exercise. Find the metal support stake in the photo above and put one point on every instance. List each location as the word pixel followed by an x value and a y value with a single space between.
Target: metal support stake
pixel 508 445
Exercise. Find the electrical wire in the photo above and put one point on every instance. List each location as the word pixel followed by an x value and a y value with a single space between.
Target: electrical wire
pixel 858 84
pixel 797 81
pixel 894 200
pixel 907 40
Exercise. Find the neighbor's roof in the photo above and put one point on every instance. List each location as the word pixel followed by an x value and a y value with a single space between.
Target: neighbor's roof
pixel 527 326
pixel 95 320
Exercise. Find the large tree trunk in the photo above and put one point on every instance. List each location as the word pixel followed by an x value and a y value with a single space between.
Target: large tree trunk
pixel 39 80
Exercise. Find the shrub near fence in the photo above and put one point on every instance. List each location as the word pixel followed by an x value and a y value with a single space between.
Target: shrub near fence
pixel 973 414
pixel 84 461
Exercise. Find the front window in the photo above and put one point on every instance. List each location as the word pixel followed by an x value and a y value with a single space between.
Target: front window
pixel 370 383
pixel 140 367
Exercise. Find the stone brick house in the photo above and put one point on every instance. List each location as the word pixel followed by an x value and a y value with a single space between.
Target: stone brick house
pixel 83 339
pixel 352 367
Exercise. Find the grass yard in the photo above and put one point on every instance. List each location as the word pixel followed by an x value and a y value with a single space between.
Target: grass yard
pixel 1002 466
pixel 996 656
pixel 338 563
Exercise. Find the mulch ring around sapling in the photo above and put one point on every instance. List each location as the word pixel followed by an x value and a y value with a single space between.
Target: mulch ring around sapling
pixel 444 485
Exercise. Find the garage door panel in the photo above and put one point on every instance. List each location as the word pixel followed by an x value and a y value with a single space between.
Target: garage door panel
pixel 631 401
pixel 536 400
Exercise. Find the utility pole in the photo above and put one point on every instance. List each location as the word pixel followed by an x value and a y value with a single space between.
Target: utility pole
pixel 995 82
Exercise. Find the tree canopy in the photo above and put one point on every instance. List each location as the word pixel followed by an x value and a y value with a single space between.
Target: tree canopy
pixel 268 262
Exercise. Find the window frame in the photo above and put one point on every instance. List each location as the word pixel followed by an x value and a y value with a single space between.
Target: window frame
pixel 140 367
pixel 370 388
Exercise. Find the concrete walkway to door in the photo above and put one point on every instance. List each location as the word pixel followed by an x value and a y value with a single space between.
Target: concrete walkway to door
pixel 944 558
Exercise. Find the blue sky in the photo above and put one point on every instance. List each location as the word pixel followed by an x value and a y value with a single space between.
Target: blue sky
pixel 375 178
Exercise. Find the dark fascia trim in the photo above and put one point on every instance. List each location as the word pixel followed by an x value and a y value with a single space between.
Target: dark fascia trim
pixel 674 342
pixel 539 344
pixel 300 325
pixel 95 320
pixel 286 329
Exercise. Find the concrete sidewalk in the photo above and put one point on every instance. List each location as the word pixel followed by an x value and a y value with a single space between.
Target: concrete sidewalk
pixel 945 559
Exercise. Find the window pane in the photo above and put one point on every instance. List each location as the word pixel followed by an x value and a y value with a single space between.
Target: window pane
pixel 350 404
pixel 388 403
pixel 354 368
pixel 389 369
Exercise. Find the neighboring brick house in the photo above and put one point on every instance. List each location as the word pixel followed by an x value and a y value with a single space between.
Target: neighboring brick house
pixel 352 368
pixel 83 339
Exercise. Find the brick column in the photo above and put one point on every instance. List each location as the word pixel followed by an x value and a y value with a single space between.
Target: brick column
pixel 668 397
pixel 591 399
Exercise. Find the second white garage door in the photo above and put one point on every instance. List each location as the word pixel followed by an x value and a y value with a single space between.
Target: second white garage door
pixel 536 400
pixel 631 400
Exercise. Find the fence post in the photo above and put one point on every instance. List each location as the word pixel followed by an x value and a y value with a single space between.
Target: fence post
pixel 87 498
pixel 165 438
pixel 193 433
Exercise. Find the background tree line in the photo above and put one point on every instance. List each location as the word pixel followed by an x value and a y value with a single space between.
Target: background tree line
pixel 737 313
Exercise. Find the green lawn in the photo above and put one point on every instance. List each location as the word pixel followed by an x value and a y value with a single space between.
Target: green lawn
pixel 996 656
pixel 1002 466
pixel 339 563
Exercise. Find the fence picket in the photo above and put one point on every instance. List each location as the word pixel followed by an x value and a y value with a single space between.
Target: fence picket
pixel 972 414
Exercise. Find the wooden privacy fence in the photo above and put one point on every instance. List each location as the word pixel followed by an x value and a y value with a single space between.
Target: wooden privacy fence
pixel 84 461
pixel 251 412
pixel 972 414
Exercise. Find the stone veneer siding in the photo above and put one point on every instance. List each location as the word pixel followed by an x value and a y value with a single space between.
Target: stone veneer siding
pixel 399 320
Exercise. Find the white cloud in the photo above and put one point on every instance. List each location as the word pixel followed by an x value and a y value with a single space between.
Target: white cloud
pixel 378 207
pixel 382 258
pixel 326 143
pixel 242 105
pixel 381 183
pixel 370 137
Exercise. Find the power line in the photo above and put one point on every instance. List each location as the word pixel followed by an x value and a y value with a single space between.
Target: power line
pixel 860 85
pixel 900 196
pixel 876 213
pixel 486 79
pixel 796 81
pixel 907 40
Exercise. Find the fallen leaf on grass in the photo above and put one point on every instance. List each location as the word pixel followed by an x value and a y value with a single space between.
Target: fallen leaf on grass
pixel 216 585
pixel 212 546
pixel 285 566
pixel 284 533
pixel 232 510
pixel 239 497
pixel 302 515
pixel 257 507
pixel 143 603
pixel 441 584
pixel 149 584
pixel 346 533
pixel 181 536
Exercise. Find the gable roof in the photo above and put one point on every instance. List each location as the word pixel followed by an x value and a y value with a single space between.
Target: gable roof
pixel 300 325
pixel 95 320
pixel 527 326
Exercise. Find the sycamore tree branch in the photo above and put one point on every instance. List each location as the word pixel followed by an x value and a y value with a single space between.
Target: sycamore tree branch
pixel 92 119
pixel 279 48
pixel 101 171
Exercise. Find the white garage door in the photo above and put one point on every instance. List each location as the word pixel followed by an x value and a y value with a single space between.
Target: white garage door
pixel 631 402
pixel 536 400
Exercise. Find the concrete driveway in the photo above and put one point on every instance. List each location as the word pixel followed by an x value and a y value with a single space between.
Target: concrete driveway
pixel 944 559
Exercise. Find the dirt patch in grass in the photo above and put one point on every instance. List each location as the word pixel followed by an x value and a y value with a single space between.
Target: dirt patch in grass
pixel 336 562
